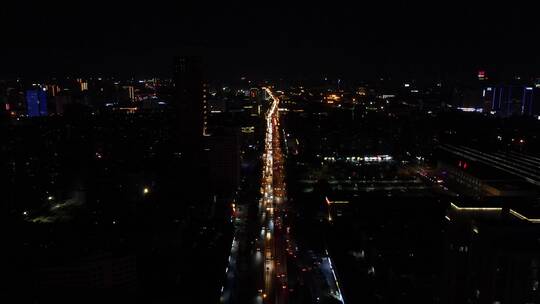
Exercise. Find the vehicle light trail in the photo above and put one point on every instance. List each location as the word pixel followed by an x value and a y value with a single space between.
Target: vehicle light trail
pixel 272 190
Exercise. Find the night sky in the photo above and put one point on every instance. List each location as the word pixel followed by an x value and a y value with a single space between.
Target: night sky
pixel 268 38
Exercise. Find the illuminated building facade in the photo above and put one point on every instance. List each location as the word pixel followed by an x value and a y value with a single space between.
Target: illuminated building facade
pixel 131 92
pixel 511 100
pixel 332 98
pixel 83 84
pixel 36 102
pixel 53 89
pixel 482 75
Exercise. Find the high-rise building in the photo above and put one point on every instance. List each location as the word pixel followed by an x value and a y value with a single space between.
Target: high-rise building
pixel 190 96
pixel 36 102
pixel 189 106
pixel 131 92
pixel 83 84
pixel 61 101
pixel 42 95
pixel 53 89
pixel 32 103
pixel 507 100
pixel 488 96
pixel 490 256
pixel 223 150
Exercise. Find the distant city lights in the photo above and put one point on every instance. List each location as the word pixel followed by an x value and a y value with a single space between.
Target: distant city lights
pixel 468 109
pixel 356 159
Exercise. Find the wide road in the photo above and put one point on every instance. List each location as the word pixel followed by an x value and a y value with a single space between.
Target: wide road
pixel 278 242
pixel 258 272
pixel 274 197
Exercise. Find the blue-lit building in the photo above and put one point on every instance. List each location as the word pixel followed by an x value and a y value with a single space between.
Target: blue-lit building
pixel 508 100
pixel 36 102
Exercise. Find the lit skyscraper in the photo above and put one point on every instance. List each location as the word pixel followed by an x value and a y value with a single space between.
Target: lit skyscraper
pixel 131 92
pixel 83 84
pixel 36 102
pixel 509 100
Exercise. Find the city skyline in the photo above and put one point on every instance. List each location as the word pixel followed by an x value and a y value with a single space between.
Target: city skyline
pixel 270 153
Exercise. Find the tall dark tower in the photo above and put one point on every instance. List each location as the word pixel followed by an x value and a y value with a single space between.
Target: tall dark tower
pixel 189 106
pixel 190 97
